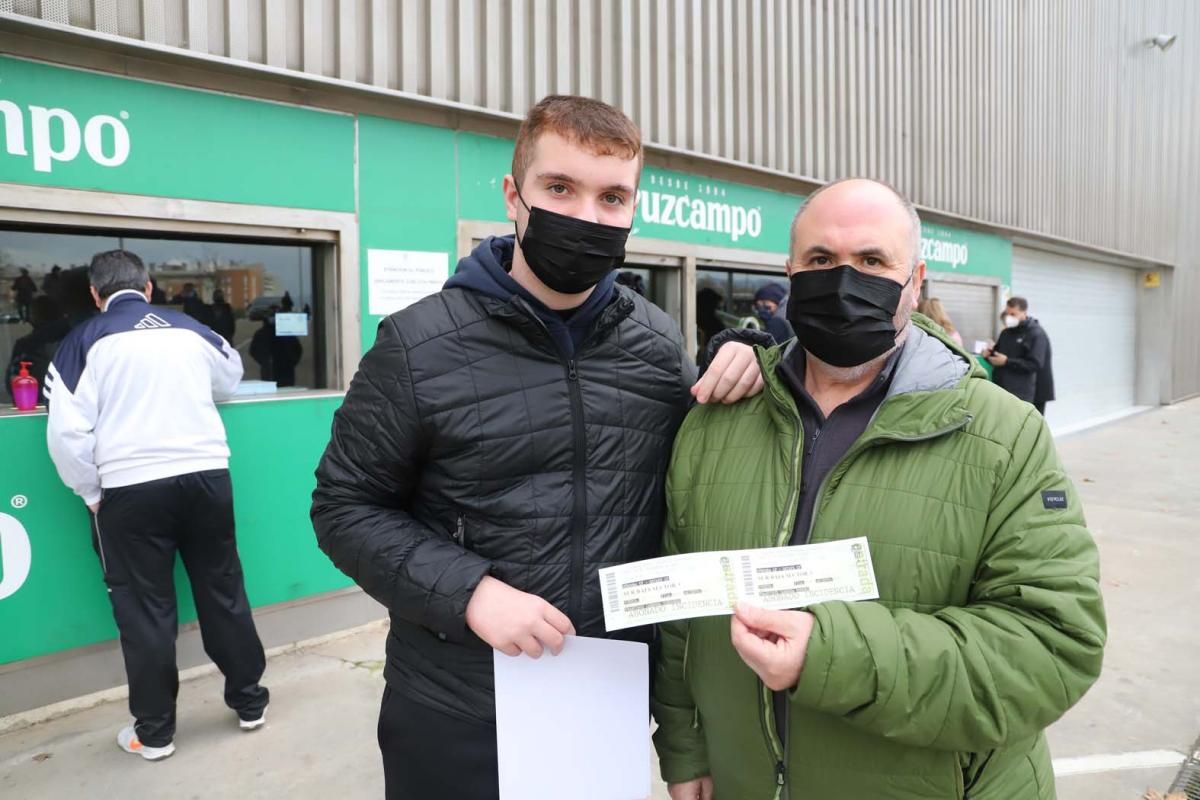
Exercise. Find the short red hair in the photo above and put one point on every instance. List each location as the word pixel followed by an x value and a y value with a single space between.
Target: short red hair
pixel 582 121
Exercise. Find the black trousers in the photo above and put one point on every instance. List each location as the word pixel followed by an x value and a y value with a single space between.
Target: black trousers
pixel 428 755
pixel 136 534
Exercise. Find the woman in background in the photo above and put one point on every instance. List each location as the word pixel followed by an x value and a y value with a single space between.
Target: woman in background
pixel 932 307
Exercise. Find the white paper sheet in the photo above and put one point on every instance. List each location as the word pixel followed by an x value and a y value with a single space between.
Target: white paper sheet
pixel 291 324
pixel 398 278
pixel 575 725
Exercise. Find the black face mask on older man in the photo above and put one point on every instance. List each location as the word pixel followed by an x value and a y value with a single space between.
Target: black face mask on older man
pixel 842 316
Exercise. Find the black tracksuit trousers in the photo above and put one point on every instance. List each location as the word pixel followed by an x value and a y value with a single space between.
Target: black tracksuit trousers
pixel 136 534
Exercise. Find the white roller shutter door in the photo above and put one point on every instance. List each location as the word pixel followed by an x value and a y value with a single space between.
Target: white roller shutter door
pixel 1089 310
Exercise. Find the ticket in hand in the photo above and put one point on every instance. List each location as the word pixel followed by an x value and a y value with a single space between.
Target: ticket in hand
pixel 709 584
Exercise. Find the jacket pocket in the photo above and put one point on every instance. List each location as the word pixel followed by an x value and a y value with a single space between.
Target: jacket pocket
pixel 498 539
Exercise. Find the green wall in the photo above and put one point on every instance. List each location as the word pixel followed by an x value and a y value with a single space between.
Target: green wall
pixel 406 195
pixel 62 604
pixel 181 142
pixel 483 161
pixel 955 250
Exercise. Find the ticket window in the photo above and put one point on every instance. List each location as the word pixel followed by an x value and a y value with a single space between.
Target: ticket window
pixel 265 298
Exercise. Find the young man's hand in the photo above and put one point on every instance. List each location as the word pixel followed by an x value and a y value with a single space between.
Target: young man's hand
pixel 998 359
pixel 772 643
pixel 515 622
pixel 699 789
pixel 732 376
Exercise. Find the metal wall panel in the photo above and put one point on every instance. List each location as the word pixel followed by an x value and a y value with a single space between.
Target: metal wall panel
pixel 1050 116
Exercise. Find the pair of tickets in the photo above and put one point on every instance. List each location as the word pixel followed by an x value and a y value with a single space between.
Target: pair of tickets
pixel 710 584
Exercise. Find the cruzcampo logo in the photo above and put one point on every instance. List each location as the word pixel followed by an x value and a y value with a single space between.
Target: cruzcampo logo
pixel 55 135
pixel 15 555
pixel 707 210
pixel 956 254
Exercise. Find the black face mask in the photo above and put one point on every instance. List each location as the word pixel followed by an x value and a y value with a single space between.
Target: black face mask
pixel 570 255
pixel 842 316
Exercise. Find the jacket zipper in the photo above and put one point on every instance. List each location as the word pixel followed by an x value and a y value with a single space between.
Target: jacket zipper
pixel 579 514
pixel 775 742
pixel 460 531
pixel 781 768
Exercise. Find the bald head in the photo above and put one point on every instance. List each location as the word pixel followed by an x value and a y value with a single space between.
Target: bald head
pixel 857 205
pixel 869 227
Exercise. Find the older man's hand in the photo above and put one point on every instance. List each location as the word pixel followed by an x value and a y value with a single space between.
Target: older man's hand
pixel 772 643
pixel 732 376
pixel 699 789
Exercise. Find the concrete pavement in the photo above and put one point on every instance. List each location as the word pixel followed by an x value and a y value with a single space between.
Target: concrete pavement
pixel 1140 480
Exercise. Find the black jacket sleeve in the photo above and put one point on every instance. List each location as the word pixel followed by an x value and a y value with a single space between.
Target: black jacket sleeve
pixel 365 484
pixel 1034 358
pixel 744 335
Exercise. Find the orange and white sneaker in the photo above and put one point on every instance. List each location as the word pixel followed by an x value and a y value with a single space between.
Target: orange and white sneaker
pixel 129 742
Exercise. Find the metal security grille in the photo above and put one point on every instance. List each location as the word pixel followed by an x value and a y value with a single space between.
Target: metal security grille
pixel 1187 782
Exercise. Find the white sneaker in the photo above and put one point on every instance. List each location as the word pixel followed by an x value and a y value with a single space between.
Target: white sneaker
pixel 254 724
pixel 128 741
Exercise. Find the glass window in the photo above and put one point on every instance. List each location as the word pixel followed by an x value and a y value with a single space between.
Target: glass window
pixel 262 297
pixel 725 299
pixel 658 285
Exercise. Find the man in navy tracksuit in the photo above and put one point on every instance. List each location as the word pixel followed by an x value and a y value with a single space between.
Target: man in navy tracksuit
pixel 134 431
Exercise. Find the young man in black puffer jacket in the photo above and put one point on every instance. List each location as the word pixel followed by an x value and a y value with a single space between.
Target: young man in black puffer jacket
pixel 503 440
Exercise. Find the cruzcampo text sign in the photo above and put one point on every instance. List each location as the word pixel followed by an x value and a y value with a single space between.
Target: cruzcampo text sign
pixel 670 205
pixel 83 130
pixel 946 249
pixel 673 205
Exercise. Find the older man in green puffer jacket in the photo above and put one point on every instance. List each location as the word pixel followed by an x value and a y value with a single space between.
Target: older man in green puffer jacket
pixel 990 623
